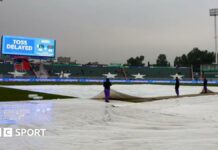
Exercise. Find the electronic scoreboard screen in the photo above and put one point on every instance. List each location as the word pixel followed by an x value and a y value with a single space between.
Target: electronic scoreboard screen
pixel 25 46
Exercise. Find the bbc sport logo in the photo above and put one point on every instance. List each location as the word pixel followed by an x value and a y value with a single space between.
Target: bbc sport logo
pixel 10 132
pixel 6 132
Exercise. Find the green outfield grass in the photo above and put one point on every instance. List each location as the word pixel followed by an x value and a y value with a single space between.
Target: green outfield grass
pixel 49 83
pixel 7 94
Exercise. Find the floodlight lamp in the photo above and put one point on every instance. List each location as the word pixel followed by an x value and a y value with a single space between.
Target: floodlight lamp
pixel 214 12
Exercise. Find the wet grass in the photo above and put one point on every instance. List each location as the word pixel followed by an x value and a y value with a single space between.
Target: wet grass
pixel 8 94
pixel 49 83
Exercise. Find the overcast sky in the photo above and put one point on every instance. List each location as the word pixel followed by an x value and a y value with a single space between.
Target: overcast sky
pixel 113 30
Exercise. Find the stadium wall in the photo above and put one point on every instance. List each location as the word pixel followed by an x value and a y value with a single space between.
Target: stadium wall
pixel 97 72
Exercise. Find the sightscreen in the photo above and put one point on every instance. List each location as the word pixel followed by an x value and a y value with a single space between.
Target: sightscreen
pixel 25 46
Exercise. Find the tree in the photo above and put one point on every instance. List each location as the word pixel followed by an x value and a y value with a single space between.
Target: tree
pixel 195 57
pixel 138 61
pixel 181 61
pixel 177 61
pixel 162 60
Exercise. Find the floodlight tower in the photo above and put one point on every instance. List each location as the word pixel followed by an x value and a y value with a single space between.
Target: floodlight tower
pixel 214 12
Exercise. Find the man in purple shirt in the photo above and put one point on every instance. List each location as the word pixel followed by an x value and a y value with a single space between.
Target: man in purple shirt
pixel 107 84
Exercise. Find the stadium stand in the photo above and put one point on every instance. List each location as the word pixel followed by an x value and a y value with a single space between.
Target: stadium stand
pixel 209 71
pixel 85 71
